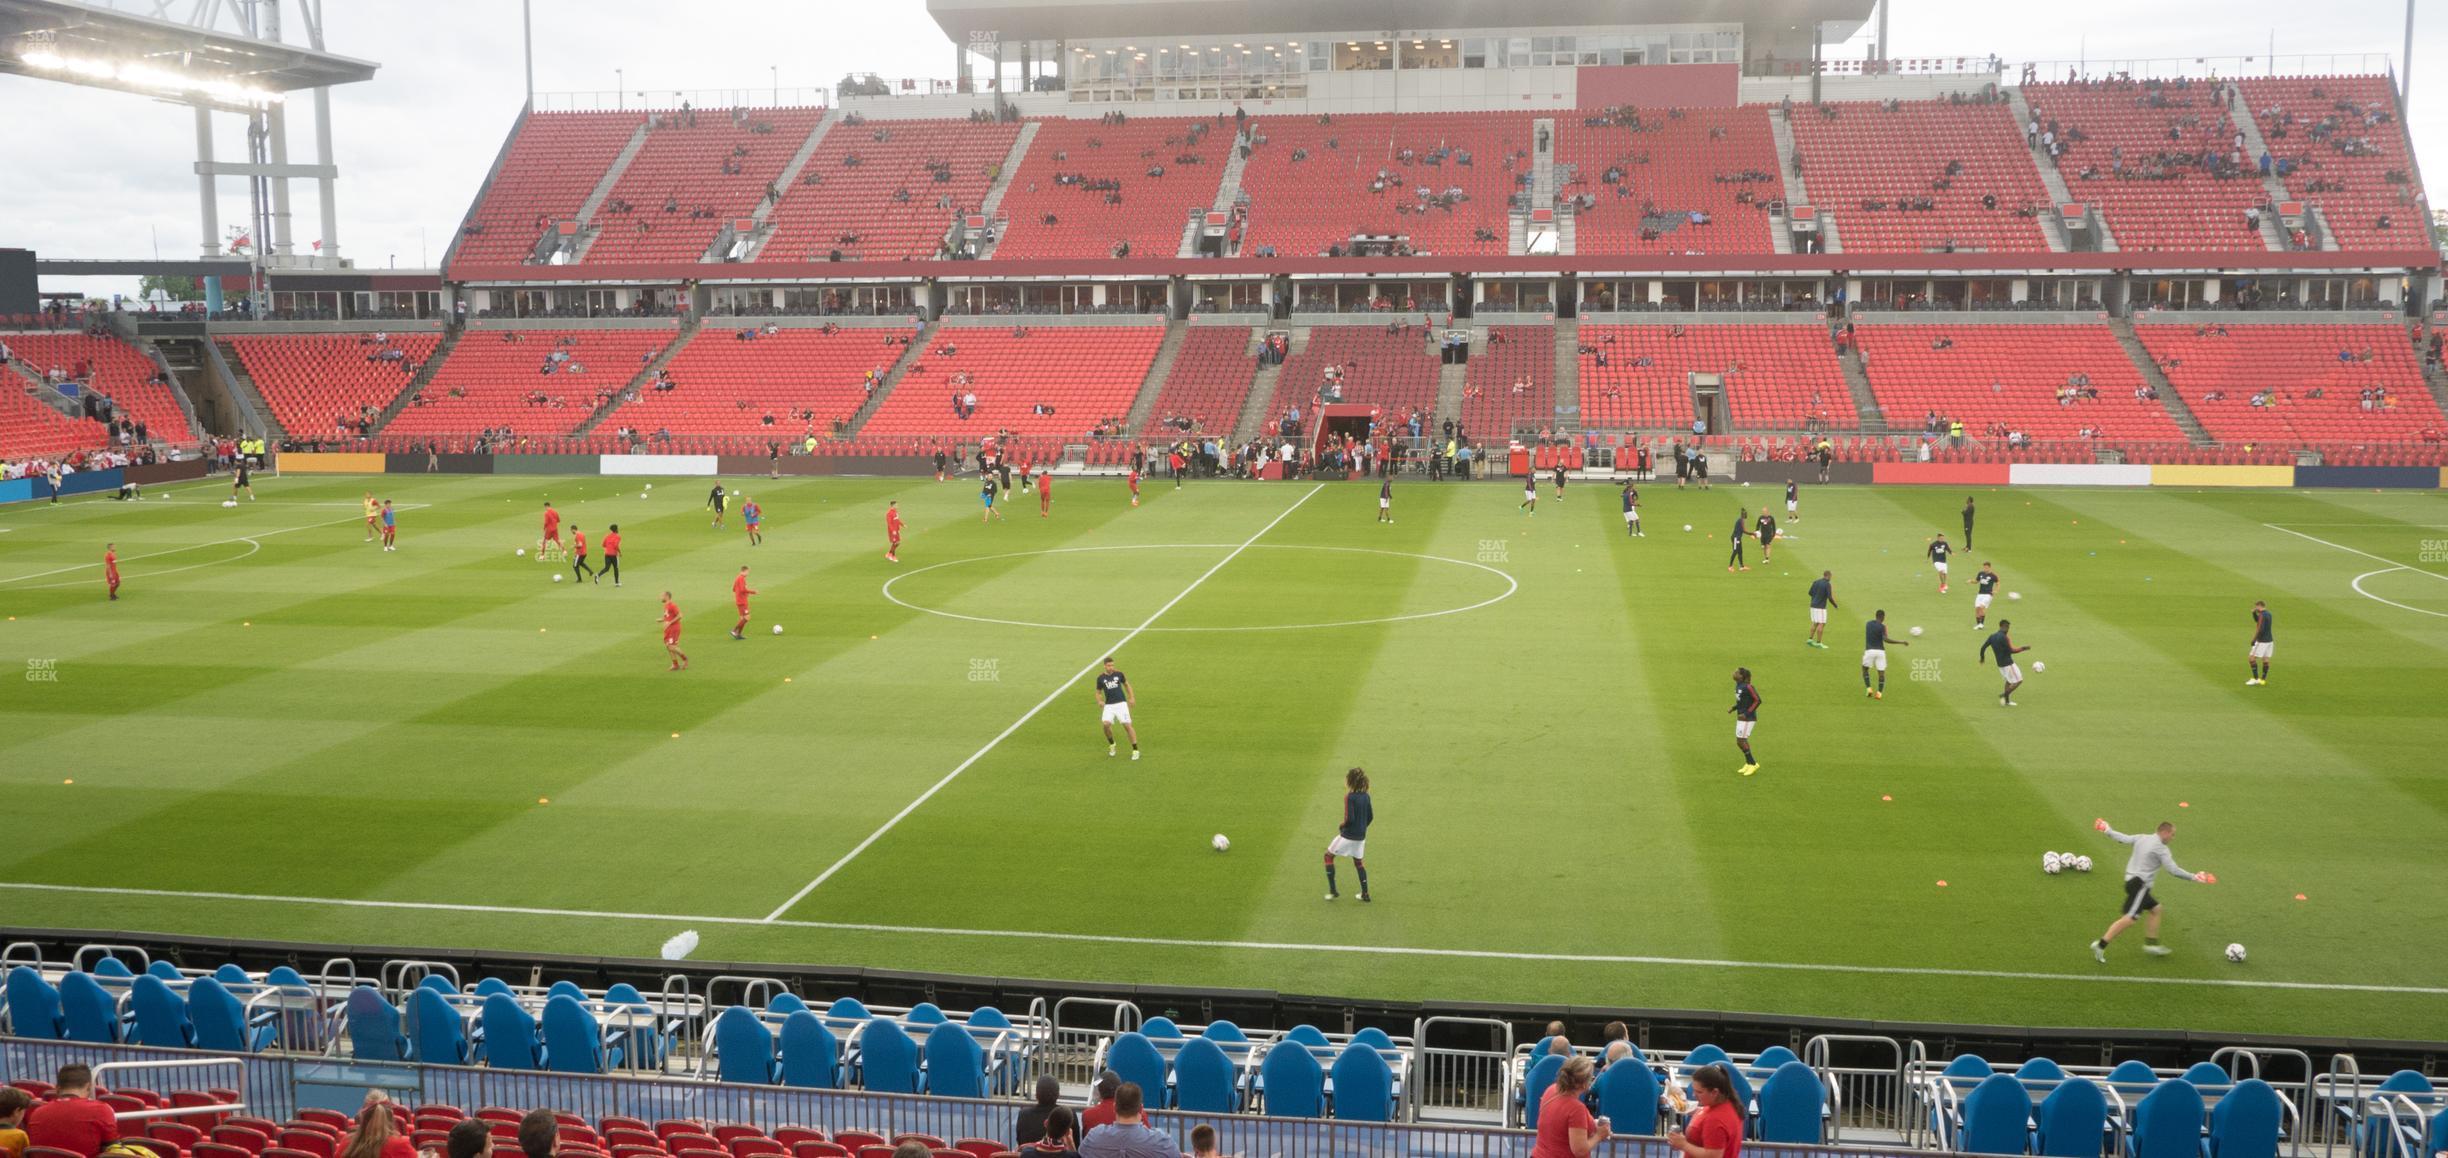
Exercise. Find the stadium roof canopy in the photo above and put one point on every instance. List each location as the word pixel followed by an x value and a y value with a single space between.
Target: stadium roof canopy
pixel 1104 19
pixel 92 44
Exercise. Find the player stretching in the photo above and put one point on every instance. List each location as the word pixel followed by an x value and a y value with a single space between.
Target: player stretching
pixel 1134 484
pixel 892 531
pixel 1631 505
pixel 110 569
pixel 373 511
pixel 1529 494
pixel 1746 713
pixel 1114 691
pixel 1351 836
pixel 740 591
pixel 2257 657
pixel 1385 498
pixel 987 496
pixel 671 633
pixel 1822 597
pixel 1045 494
pixel 1793 501
pixel 1985 583
pixel 1874 654
pixel 1767 537
pixel 1938 552
pixel 2003 648
pixel 611 546
pixel 578 564
pixel 2150 856
pixel 390 527
pixel 552 530
pixel 1742 531
pixel 753 517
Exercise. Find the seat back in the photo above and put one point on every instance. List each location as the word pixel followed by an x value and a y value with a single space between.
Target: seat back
pixel 956 1067
pixel 743 1048
pixel 89 1011
pixel 787 1003
pixel 2203 1074
pixel 2073 1120
pixel 927 1013
pixel 435 1030
pixel 1363 1085
pixel 1204 1079
pixel 2040 1069
pixel 33 1005
pixel 567 989
pixel 1542 1074
pixel 1135 1058
pixel 2133 1078
pixel 439 984
pixel 1705 1054
pixel 988 1017
pixel 1221 1030
pixel 1295 1083
pixel 2246 1122
pixel 1372 1037
pixel 1789 1104
pixel 1772 1057
pixel 374 1027
pixel 573 1042
pixel 510 1034
pixel 811 1055
pixel 2167 1122
pixel 888 1059
pixel 1996 1116
pixel 161 1015
pixel 1628 1098
pixel 1160 1028
pixel 219 1019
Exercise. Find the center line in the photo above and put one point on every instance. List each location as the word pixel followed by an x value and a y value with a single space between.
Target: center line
pixel 1031 714
pixel 2353 551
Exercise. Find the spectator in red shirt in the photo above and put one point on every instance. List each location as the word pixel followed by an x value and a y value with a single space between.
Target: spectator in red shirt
pixel 72 1120
pixel 1566 1129
pixel 1717 1130
pixel 1108 1084
pixel 377 1134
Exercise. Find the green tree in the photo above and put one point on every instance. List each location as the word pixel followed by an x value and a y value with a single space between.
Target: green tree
pixel 178 289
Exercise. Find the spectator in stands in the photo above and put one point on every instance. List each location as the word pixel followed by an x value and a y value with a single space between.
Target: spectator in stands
pixel 72 1120
pixel 470 1138
pixel 912 1149
pixel 1203 1142
pixel 1129 1135
pixel 1033 1119
pixel 1717 1130
pixel 1566 1129
pixel 14 1103
pixel 377 1134
pixel 1108 1084
pixel 538 1133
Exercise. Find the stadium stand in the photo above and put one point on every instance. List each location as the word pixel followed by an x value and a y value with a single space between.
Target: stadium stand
pixel 692 177
pixel 1719 163
pixel 724 384
pixel 1522 356
pixel 1314 183
pixel 1777 377
pixel 1921 176
pixel 31 429
pixel 2297 385
pixel 2153 156
pixel 499 379
pixel 1208 386
pixel 106 364
pixel 2346 142
pixel 887 190
pixel 1056 383
pixel 1392 370
pixel 1163 169
pixel 320 385
pixel 553 163
pixel 2041 382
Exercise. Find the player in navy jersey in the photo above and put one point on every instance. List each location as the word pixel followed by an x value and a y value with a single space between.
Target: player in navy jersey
pixel 1631 505
pixel 1113 691
pixel 1529 494
pixel 2264 644
pixel 1874 654
pixel 1351 836
pixel 2002 647
pixel 1742 530
pixel 1767 537
pixel 1822 597
pixel 986 495
pixel 1385 499
pixel 1746 713
pixel 1985 581
pixel 1938 552
pixel 1559 476
pixel 1793 501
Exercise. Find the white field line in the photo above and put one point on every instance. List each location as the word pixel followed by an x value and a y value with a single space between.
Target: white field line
pixel 248 538
pixel 2352 551
pixel 1031 714
pixel 1253 946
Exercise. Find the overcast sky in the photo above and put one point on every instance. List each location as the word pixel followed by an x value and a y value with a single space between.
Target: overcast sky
pixel 96 174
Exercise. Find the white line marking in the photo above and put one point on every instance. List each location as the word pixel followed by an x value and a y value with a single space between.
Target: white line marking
pixel 2358 589
pixel 2352 551
pixel 1268 946
pixel 1511 586
pixel 1016 725
pixel 252 547
pixel 249 538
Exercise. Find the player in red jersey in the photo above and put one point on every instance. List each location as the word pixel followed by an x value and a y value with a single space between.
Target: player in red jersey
pixel 373 516
pixel 1134 481
pixel 552 529
pixel 1045 494
pixel 740 592
pixel 611 552
pixel 578 563
pixel 892 531
pixel 671 633
pixel 110 568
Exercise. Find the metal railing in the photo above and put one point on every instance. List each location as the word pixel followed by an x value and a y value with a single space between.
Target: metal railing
pixel 1865 1080
pixel 704 101
pixel 1453 1079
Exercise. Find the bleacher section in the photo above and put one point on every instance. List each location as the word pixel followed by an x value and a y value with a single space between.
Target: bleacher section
pixel 2153 189
pixel 554 163
pixel 724 386
pixel 686 182
pixel 2285 365
pixel 1872 166
pixel 31 429
pixel 112 367
pixel 2348 142
pixel 318 385
pixel 1309 184
pixel 1718 162
pixel 1776 376
pixel 493 378
pixel 849 199
pixel 1209 383
pixel 1052 386
pixel 1513 355
pixel 2002 378
pixel 1392 371
pixel 1068 155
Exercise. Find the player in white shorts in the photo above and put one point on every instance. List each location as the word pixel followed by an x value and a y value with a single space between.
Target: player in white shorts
pixel 1114 691
pixel 1351 836
pixel 2264 645
pixel 1985 583
pixel 2001 646
pixel 1874 654
pixel 1631 508
pixel 1938 552
pixel 1793 501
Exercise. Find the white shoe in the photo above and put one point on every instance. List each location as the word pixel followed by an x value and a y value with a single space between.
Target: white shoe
pixel 2157 950
pixel 1109 750
pixel 2099 952
pixel 1331 896
pixel 2254 683
pixel 1134 753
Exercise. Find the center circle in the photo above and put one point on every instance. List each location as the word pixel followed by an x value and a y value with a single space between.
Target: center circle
pixel 1510 586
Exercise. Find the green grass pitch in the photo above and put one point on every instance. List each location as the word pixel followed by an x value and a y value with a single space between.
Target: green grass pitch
pixel 278 718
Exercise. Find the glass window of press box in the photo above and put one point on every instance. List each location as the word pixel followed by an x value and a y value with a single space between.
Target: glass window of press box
pixel 1234 69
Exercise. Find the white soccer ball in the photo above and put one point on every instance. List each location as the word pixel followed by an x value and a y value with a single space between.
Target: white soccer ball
pixel 649 486
pixel 1221 844
pixel 2039 665
pixel 1686 526
pixel 644 495
pixel 2082 864
pixel 522 552
pixel 2014 595
pixel 1916 629
pixel 556 576
pixel 229 502
pixel 2235 952
pixel 777 629
pixel 2051 863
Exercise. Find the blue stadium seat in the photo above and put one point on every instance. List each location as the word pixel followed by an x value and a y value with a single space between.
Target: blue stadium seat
pixel 645 1041
pixel 33 1005
pixel 435 1030
pixel 1996 1117
pixel 1542 1074
pixel 489 986
pixel 844 1007
pixel 811 1055
pixel 164 971
pixel 510 1041
pixel 1704 1054
pixel 161 1015
pixel 2073 1121
pixel 956 1067
pixel 1628 1097
pixel 1160 1029
pixel 283 975
pixel 2246 1122
pixel 1306 1034
pixel 786 1003
pixel 574 1040
pixel 2372 1138
pixel 743 1048
pixel 2040 1070
pixel 439 984
pixel 888 1059
pixel 2437 1142
pixel 1372 1037
pixel 2167 1122
pixel 1963 1072
pixel 91 1013
pixel 111 972
pixel 1292 1080
pixel 1789 1105
pixel 1363 1085
pixel 1771 1058
pixel 1136 1059
pixel 567 989
pixel 374 1027
pixel 1005 1062
pixel 2207 1076
pixel 1222 1031
pixel 2133 1079
pixel 1205 1080
pixel 220 1019
pixel 926 1013
pixel 229 974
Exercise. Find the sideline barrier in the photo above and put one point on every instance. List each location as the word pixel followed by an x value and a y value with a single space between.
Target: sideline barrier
pixel 165 472
pixel 2078 475
pixel 330 462
pixel 2389 477
pixel 578 464
pixel 2222 476
pixel 441 464
pixel 1978 474
pixel 657 465
pixel 85 482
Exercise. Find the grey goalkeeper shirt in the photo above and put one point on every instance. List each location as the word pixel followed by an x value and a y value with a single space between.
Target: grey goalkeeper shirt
pixel 2150 855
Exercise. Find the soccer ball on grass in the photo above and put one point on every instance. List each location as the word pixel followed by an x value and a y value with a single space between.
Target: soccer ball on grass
pixel 2082 864
pixel 2039 665
pixel 1220 843
pixel 2051 863
pixel 556 576
pixel 1686 526
pixel 2235 952
pixel 522 552
pixel 2014 596
pixel 1916 629
pixel 777 629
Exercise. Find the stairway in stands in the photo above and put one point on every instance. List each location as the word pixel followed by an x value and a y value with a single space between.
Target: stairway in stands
pixel 1865 402
pixel 1568 374
pixel 424 375
pixel 1254 414
pixel 688 330
pixel 603 190
pixel 992 203
pixel 226 364
pixel 1144 406
pixel 911 355
pixel 1453 376
pixel 2132 342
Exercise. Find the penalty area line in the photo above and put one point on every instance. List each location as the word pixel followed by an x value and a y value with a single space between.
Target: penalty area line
pixel 1250 946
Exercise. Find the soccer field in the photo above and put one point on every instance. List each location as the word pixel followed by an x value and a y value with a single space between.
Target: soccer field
pixel 282 732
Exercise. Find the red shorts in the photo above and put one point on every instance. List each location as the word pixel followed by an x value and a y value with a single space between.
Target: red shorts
pixel 553 537
pixel 743 610
pixel 671 635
